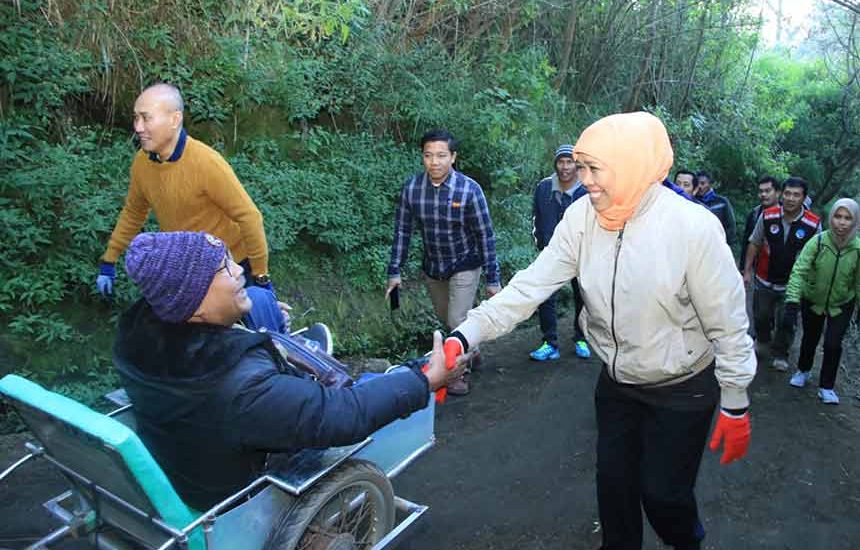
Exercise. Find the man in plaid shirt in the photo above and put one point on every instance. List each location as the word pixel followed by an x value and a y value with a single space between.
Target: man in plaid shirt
pixel 451 212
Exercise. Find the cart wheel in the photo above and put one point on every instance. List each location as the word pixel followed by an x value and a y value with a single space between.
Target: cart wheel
pixel 351 509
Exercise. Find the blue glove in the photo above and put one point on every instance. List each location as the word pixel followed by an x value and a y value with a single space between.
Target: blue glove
pixel 104 282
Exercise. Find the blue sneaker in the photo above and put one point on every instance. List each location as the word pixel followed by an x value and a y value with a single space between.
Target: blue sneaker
pixel 799 379
pixel 546 352
pixel 828 397
pixel 582 349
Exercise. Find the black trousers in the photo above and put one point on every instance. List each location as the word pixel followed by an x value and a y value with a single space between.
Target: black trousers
pixel 813 325
pixel 649 446
pixel 549 319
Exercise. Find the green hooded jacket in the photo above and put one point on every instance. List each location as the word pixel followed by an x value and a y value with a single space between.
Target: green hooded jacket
pixel 827 277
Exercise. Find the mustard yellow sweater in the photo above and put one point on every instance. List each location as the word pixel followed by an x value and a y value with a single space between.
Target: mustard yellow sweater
pixel 198 192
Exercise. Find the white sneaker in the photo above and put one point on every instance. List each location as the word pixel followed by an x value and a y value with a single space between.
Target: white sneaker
pixel 780 364
pixel 828 397
pixel 799 379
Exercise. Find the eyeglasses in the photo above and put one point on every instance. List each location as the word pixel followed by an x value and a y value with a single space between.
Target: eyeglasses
pixel 228 259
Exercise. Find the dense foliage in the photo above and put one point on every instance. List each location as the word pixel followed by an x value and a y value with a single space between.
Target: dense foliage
pixel 318 105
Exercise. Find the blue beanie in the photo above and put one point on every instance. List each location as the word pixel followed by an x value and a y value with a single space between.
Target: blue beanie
pixel 174 270
pixel 565 150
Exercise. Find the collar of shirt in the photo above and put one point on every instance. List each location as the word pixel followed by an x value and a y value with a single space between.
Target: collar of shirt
pixel 177 152
pixel 446 183
pixel 787 221
pixel 556 186
pixel 709 195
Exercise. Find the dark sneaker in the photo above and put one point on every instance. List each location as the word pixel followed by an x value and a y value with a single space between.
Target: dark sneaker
pixel 546 352
pixel 459 386
pixel 320 334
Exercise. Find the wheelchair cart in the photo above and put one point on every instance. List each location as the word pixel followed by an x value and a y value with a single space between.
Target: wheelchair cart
pixel 333 499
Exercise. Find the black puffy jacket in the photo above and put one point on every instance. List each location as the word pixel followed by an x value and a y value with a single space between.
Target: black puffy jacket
pixel 211 402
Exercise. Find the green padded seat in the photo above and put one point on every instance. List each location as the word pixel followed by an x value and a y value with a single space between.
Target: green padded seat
pixel 106 436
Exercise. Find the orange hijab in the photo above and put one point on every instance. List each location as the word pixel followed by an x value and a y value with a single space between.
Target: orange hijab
pixel 635 146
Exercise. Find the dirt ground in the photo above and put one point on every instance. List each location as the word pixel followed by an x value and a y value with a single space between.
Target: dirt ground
pixel 514 465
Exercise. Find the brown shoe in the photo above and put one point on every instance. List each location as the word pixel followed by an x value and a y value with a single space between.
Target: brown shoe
pixel 459 386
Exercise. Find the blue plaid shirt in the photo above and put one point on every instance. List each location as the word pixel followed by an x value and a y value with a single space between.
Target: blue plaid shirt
pixel 455 226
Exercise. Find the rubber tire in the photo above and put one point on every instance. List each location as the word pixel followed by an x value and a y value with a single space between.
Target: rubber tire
pixel 290 527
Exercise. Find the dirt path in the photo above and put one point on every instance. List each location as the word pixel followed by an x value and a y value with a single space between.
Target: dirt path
pixel 514 467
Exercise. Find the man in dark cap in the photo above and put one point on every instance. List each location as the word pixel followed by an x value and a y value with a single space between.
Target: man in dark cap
pixel 552 197
pixel 212 397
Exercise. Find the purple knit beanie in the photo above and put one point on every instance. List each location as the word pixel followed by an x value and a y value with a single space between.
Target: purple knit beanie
pixel 174 270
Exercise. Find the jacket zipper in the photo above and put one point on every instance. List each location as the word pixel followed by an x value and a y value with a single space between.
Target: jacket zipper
pixel 832 279
pixel 614 274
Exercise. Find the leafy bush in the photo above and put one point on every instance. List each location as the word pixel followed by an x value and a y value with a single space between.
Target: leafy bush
pixel 319 107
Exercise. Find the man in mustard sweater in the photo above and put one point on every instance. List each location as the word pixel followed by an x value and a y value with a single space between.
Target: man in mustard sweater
pixel 188 185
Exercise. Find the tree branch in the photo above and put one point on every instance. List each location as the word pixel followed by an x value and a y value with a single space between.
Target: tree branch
pixel 848 5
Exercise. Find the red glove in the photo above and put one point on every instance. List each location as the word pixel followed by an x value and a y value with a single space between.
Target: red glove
pixel 734 432
pixel 453 349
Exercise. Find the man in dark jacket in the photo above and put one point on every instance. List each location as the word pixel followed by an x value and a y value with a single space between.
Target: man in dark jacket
pixel 686 180
pixel 777 238
pixel 213 398
pixel 552 197
pixel 717 204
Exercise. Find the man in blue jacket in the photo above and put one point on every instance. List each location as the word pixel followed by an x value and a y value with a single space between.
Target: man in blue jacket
pixel 212 398
pixel 552 197
pixel 719 205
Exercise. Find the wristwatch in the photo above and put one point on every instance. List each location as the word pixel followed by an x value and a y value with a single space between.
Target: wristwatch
pixel 262 279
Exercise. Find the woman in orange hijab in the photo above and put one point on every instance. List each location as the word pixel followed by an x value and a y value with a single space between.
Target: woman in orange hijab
pixel 664 310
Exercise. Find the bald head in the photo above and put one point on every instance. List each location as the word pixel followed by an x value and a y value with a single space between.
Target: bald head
pixel 168 94
pixel 158 119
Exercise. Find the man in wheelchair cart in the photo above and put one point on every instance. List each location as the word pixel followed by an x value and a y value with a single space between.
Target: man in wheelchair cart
pixel 202 387
pixel 218 393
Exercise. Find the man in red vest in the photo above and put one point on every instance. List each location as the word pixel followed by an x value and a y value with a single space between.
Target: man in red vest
pixel 777 238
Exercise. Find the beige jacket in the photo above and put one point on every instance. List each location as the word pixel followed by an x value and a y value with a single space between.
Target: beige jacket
pixel 662 297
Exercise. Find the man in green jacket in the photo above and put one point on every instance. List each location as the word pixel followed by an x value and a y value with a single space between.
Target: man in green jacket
pixel 824 286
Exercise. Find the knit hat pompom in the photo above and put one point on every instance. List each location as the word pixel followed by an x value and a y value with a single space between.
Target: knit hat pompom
pixel 174 270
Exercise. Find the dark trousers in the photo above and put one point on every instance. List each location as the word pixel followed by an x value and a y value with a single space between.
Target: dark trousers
pixel 768 306
pixel 813 325
pixel 549 320
pixel 649 445
pixel 265 312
